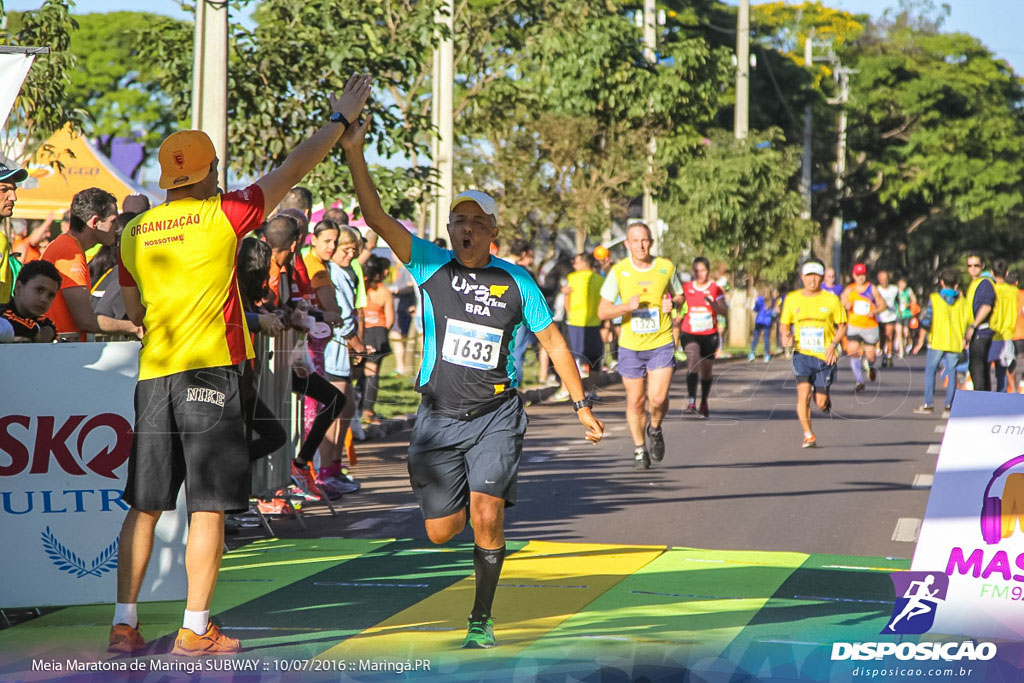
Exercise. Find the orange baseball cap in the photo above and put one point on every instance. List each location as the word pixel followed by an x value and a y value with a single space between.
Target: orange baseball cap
pixel 601 253
pixel 185 158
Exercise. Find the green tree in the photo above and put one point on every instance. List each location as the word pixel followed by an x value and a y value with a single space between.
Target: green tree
pixel 118 90
pixel 734 201
pixel 43 104
pixel 937 141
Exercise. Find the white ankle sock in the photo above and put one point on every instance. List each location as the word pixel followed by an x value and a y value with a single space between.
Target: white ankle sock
pixel 126 613
pixel 197 622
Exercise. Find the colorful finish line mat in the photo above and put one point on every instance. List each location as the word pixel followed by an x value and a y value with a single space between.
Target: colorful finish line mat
pixel 367 610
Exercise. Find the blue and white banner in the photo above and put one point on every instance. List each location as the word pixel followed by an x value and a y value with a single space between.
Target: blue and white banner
pixel 66 415
pixel 972 537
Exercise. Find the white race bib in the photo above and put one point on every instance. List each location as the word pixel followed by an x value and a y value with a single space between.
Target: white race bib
pixel 862 307
pixel 812 339
pixel 701 321
pixel 471 345
pixel 644 321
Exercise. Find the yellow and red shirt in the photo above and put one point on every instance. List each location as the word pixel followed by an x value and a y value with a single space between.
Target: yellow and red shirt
pixel 67 255
pixel 183 256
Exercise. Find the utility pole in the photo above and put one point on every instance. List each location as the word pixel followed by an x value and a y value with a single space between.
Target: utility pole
pixel 805 176
pixel 739 316
pixel 210 79
pixel 650 206
pixel 843 74
pixel 741 123
pixel 442 108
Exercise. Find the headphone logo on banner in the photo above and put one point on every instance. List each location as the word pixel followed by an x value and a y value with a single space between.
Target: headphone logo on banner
pixel 1000 514
pixel 921 593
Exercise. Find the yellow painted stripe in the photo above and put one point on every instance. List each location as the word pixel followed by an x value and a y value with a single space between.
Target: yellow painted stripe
pixel 541 586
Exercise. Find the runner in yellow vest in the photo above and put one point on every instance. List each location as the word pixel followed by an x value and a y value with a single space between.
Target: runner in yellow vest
pixel 1004 322
pixel 863 303
pixel 648 287
pixel 945 317
pixel 981 300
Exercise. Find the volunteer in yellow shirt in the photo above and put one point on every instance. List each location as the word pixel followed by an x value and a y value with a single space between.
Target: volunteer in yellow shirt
pixel 648 287
pixel 816 320
pixel 582 299
pixel 1004 322
pixel 177 274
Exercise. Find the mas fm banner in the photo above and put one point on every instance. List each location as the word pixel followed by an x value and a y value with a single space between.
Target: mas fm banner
pixel 66 415
pixel 13 69
pixel 969 562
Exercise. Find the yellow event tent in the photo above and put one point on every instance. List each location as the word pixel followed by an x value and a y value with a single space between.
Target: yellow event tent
pixel 83 167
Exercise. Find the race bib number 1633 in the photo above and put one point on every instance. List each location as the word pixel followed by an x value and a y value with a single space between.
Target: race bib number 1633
pixel 471 345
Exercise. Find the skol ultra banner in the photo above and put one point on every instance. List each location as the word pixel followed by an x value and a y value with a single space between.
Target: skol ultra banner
pixel 66 415
pixel 969 560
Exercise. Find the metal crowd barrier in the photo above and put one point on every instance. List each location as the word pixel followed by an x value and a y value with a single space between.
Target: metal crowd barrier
pixel 274 384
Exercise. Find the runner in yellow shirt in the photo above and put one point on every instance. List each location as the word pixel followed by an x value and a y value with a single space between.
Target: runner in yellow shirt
pixel 582 299
pixel 817 321
pixel 648 288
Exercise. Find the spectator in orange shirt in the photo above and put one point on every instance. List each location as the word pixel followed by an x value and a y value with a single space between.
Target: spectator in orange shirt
pixel 92 222
pixel 30 247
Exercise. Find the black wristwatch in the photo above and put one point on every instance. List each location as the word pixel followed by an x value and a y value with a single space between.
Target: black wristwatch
pixel 338 117
pixel 580 405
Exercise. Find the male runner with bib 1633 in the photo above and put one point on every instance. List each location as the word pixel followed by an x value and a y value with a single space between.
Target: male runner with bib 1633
pixel 465 448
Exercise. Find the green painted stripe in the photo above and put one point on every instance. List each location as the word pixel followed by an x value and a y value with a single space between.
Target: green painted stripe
pixel 687 604
pixel 305 618
pixel 829 598
pixel 541 586
pixel 246 574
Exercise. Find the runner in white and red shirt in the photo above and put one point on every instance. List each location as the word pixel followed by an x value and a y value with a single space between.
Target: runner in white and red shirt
pixel 705 302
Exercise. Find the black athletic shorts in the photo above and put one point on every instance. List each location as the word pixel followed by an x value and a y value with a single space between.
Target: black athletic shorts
pixel 449 457
pixel 189 429
pixel 377 337
pixel 706 343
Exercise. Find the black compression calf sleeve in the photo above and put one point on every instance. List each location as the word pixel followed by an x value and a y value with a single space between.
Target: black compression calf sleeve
pixel 487 564
pixel 705 389
pixel 691 385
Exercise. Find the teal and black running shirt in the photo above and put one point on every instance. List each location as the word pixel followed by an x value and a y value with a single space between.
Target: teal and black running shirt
pixel 470 320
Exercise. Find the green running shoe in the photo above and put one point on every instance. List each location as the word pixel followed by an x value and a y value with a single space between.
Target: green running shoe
pixel 480 634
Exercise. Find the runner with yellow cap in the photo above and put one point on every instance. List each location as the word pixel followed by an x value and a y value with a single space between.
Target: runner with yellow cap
pixel 814 321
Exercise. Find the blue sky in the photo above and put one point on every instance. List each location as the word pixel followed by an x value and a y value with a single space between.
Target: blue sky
pixel 995 22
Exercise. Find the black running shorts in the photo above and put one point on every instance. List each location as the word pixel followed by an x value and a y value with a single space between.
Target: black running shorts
pixel 189 428
pixel 449 457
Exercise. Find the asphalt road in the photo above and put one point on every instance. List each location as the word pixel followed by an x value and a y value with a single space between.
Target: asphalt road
pixel 736 481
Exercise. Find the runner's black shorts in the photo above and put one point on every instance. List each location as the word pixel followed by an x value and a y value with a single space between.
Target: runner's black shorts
pixel 377 337
pixel 707 344
pixel 189 429
pixel 449 457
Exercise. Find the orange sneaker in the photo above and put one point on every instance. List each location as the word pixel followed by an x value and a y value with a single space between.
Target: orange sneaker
pixel 125 640
pixel 213 642
pixel 809 441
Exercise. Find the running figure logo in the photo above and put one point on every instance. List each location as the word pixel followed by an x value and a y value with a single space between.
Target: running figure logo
pixel 921 593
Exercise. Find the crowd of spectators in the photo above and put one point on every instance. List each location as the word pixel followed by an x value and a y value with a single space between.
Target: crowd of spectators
pixel 334 303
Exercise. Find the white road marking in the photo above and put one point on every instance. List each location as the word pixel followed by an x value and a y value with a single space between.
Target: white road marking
pixel 923 481
pixel 906 530
pixel 933 449
pixel 940 429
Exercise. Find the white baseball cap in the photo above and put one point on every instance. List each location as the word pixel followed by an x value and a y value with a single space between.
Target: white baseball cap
pixel 483 200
